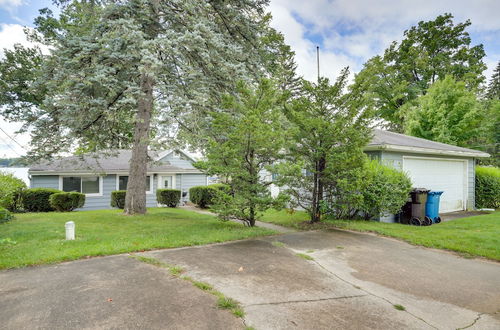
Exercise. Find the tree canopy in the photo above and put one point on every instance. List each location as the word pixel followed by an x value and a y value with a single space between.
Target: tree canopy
pixel 428 52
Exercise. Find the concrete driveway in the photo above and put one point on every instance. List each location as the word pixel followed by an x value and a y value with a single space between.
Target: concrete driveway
pixel 353 282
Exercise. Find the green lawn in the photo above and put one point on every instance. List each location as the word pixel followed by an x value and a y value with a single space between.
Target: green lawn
pixel 38 238
pixel 472 236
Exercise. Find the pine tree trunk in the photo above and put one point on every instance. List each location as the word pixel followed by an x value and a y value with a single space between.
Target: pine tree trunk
pixel 135 201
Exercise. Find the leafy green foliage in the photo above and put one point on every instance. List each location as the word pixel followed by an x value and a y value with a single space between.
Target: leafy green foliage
pixel 448 113
pixel 37 199
pixel 247 138
pixel 487 187
pixel 385 190
pixel 5 215
pixel 118 198
pixel 204 196
pixel 169 197
pixel 67 201
pixel 428 52
pixel 11 189
pixel 493 90
pixel 329 128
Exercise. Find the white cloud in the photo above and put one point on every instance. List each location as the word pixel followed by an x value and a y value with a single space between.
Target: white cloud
pixel 10 3
pixel 352 31
pixel 10 34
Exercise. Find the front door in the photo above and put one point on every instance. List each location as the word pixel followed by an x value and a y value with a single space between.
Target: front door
pixel 166 181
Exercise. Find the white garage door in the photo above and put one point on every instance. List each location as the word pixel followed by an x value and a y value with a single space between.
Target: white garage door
pixel 440 175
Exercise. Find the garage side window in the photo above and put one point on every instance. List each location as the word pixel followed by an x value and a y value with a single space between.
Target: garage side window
pixel 88 185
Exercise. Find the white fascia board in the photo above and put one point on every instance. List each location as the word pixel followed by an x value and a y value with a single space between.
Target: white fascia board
pixel 418 150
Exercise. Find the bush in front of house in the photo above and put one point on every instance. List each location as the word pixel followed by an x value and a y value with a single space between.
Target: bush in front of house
pixel 203 196
pixel 67 201
pixel 118 198
pixel 37 199
pixel 487 187
pixel 169 197
pixel 11 189
pixel 5 215
pixel 385 190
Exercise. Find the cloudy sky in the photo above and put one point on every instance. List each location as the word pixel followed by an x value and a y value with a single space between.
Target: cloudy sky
pixel 348 32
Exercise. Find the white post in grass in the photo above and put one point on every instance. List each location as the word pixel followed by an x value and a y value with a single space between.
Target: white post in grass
pixel 70 230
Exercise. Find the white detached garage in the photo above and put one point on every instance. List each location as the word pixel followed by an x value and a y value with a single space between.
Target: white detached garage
pixel 431 165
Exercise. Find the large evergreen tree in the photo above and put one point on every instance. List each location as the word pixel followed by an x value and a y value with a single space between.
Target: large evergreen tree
pixel 125 70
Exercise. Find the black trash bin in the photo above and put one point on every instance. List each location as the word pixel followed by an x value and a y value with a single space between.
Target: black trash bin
pixel 418 201
pixel 404 216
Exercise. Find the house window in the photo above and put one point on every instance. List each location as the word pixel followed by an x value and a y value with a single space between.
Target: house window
pixel 89 185
pixel 123 181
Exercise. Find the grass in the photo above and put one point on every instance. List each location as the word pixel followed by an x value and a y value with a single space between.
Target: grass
pixel 278 244
pixel 304 256
pixel 477 236
pixel 38 238
pixel 223 302
pixel 399 307
pixel 286 218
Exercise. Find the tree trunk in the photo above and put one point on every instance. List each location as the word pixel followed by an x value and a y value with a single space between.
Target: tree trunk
pixel 135 201
pixel 318 190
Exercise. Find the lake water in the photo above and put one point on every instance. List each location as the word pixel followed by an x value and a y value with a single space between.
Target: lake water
pixel 19 172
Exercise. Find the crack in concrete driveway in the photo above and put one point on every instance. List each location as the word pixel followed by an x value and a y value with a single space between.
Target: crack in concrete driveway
pixel 346 288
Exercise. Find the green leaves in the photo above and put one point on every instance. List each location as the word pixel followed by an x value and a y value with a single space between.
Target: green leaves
pixel 448 113
pixel 247 137
pixel 429 52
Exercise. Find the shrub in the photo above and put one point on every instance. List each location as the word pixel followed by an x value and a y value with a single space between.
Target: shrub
pixel 118 198
pixel 11 189
pixel 203 196
pixel 5 215
pixel 385 190
pixel 487 187
pixel 169 197
pixel 37 199
pixel 67 201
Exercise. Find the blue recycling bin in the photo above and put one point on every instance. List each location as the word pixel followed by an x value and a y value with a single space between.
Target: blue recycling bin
pixel 432 205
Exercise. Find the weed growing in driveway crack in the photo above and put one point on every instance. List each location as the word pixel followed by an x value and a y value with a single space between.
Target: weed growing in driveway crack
pixel 399 307
pixel 223 302
pixel 202 285
pixel 304 256
pixel 310 251
pixel 278 244
pixel 174 270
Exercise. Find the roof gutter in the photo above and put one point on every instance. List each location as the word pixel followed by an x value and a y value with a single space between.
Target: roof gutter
pixel 53 172
pixel 418 150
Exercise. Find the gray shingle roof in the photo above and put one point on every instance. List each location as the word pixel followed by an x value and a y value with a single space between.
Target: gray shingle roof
pixel 383 138
pixel 117 160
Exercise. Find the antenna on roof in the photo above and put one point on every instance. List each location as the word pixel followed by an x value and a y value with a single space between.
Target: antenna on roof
pixel 317 59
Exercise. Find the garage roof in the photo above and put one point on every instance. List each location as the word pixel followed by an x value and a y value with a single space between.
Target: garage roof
pixel 385 140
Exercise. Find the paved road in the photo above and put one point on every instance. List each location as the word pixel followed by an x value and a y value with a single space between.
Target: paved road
pixel 353 282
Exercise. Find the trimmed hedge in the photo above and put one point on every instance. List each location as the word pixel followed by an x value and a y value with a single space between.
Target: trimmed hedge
pixel 203 196
pixel 487 187
pixel 5 215
pixel 118 198
pixel 67 201
pixel 37 199
pixel 169 197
